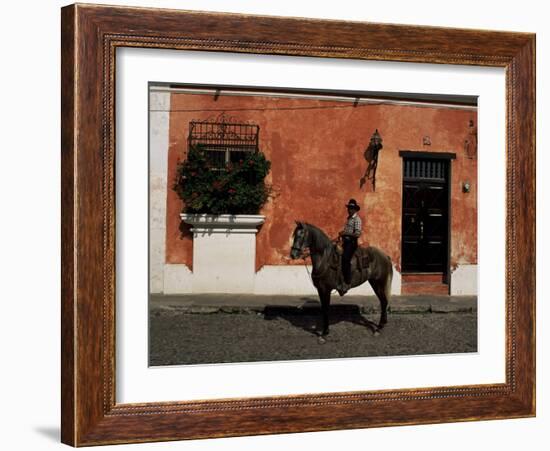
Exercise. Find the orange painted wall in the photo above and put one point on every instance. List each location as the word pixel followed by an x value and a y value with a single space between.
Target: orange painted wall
pixel 316 149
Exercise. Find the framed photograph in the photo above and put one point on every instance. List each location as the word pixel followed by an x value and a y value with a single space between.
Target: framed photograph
pixel 279 225
pixel 235 253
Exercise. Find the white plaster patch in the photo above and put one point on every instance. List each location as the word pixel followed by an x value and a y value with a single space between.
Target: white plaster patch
pixel 157 202
pixel 396 282
pixel 464 280
pixel 156 260
pixel 159 117
pixel 223 263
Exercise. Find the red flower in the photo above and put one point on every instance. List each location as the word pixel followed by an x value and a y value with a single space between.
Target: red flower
pixel 231 190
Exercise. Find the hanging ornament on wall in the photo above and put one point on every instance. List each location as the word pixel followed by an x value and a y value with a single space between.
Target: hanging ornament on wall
pixel 371 156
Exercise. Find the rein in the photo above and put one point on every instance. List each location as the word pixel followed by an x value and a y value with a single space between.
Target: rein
pixel 326 255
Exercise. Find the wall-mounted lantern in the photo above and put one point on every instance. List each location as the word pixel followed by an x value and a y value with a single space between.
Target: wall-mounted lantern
pixel 371 155
pixel 376 141
pixel 470 143
pixel 466 187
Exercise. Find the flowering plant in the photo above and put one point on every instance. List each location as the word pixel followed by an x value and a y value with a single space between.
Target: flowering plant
pixel 239 188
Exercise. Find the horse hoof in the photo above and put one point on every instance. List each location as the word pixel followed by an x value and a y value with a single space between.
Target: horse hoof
pixel 321 340
pixel 376 333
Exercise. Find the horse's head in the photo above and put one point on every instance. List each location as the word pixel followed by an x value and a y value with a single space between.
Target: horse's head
pixel 300 236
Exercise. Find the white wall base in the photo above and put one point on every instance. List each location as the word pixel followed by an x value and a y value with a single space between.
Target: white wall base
pixel 178 279
pixel 284 280
pixel 464 280
pixel 224 252
pixel 296 280
pixel 270 280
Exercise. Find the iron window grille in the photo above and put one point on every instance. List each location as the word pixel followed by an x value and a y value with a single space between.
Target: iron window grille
pixel 429 170
pixel 224 140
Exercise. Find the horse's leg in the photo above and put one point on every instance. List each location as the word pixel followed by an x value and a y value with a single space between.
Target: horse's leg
pixel 383 308
pixel 387 296
pixel 381 291
pixel 324 296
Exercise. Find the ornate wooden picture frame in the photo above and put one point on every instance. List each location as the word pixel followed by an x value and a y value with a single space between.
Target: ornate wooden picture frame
pixel 90 37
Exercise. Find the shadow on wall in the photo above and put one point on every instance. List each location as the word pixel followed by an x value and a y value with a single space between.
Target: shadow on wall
pixel 185 230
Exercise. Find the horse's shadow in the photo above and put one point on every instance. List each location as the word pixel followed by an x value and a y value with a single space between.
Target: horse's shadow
pixel 308 315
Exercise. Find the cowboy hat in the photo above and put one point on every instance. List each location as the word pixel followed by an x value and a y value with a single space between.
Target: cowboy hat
pixel 353 204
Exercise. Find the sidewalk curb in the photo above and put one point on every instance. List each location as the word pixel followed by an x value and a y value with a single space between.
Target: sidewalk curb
pixel 435 305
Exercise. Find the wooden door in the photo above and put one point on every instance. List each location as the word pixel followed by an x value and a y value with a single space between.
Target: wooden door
pixel 425 221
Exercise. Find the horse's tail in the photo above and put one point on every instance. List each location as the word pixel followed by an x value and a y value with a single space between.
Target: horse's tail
pixel 389 278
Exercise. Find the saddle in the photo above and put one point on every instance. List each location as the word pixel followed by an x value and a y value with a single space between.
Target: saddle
pixel 359 262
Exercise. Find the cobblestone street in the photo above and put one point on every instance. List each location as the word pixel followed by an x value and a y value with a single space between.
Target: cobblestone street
pixel 184 333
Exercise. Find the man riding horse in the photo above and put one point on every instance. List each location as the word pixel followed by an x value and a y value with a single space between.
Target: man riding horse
pixel 374 266
pixel 349 235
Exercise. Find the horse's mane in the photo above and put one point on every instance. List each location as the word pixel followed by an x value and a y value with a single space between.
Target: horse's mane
pixel 320 236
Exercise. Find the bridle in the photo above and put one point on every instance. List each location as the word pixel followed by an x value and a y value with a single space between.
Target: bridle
pixel 304 255
pixel 301 252
pixel 300 249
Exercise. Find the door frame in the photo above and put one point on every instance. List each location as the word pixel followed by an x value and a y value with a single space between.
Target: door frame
pixel 449 156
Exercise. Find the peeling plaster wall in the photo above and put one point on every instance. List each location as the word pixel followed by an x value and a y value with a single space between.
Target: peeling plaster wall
pixel 316 149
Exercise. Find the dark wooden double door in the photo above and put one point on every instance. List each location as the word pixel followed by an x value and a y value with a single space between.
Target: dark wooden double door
pixel 425 222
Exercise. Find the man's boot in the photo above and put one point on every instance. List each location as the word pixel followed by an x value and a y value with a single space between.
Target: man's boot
pixel 343 288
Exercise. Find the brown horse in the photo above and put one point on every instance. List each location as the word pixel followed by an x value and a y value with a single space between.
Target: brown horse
pixel 368 263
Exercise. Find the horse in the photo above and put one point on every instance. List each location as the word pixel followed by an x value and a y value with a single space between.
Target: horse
pixel 368 263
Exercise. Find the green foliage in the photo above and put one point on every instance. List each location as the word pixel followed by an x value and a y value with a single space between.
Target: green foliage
pixel 237 189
